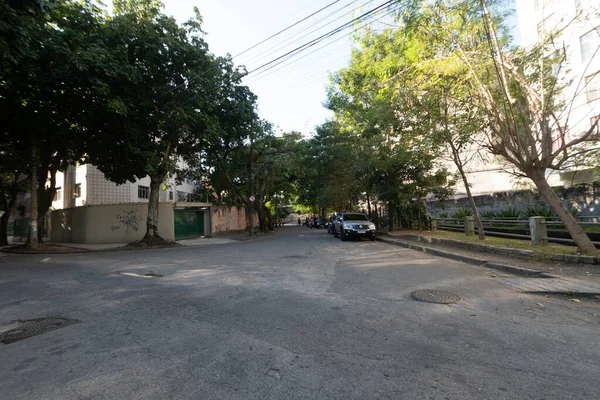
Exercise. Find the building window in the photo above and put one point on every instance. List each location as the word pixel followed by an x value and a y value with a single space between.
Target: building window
pixel 189 198
pixel 589 44
pixel 596 133
pixel 592 84
pixel 143 192
pixel 58 194
pixel 170 195
pixel 77 190
pixel 181 196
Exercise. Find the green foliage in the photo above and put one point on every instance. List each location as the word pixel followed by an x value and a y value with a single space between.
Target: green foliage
pixel 509 213
pixel 488 214
pixel 461 213
pixel 443 215
pixel 538 211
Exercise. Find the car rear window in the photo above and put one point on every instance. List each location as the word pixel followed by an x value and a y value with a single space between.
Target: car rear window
pixel 355 217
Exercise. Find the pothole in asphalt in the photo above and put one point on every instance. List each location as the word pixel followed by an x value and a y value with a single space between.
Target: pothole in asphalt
pixel 435 296
pixel 295 256
pixel 34 327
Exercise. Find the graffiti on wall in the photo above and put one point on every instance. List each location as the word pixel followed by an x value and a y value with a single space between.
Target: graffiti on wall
pixel 128 219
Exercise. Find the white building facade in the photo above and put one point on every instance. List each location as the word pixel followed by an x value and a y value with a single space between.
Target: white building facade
pixel 86 185
pixel 578 25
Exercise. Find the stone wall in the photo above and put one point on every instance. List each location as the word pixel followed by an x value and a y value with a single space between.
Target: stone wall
pixel 583 197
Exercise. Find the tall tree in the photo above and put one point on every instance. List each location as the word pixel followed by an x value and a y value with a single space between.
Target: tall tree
pixel 162 86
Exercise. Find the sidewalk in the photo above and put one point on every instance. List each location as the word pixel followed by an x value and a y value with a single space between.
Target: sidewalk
pixel 83 247
pixel 582 272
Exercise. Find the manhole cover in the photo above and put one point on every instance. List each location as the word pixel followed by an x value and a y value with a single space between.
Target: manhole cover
pixel 34 327
pixel 435 296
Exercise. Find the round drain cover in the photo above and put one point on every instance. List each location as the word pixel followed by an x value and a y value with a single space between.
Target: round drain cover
pixel 435 296
pixel 33 328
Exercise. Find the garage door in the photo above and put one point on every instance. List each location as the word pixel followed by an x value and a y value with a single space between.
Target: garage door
pixel 189 224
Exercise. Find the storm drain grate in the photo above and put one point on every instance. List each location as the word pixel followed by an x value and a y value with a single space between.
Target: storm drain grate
pixel 435 296
pixel 34 327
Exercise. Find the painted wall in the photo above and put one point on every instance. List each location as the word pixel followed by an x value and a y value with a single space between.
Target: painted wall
pixel 230 219
pixel 114 223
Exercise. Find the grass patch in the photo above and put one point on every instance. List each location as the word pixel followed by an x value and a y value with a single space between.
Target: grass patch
pixel 540 251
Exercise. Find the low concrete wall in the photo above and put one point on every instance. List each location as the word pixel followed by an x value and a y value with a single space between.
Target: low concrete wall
pixel 583 197
pixel 230 219
pixel 113 223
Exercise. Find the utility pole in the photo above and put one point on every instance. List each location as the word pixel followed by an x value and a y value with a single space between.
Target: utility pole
pixel 251 197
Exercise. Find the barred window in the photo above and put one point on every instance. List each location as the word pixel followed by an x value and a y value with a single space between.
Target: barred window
pixel 143 192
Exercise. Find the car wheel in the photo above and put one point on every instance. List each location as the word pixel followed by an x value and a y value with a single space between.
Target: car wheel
pixel 335 233
pixel 343 236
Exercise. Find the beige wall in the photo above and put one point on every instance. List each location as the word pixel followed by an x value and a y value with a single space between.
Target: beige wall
pixel 230 219
pixel 114 223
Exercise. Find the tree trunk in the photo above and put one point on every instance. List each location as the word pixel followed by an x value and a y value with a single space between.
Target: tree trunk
pixel 391 212
pixel 369 206
pixel 45 197
pixel 269 221
pixel 152 220
pixel 9 200
pixel 32 241
pixel 4 229
pixel 577 233
pixel 480 232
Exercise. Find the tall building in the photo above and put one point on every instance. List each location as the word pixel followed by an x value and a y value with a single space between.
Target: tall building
pixel 575 28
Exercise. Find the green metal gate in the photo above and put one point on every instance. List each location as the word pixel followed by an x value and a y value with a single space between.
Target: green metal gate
pixel 189 224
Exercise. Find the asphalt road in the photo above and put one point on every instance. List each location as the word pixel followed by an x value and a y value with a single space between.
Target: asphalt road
pixel 295 315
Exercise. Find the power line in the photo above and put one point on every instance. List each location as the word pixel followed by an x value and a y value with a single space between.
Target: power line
pixel 322 37
pixel 286 42
pixel 287 28
pixel 252 47
pixel 263 74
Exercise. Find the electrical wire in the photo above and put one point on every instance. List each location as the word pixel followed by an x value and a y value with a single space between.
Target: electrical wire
pixel 286 42
pixel 263 73
pixel 287 28
pixel 321 38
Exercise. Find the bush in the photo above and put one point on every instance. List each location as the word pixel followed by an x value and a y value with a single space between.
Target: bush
pixel 507 213
pixel 489 214
pixel 443 215
pixel 461 213
pixel 538 211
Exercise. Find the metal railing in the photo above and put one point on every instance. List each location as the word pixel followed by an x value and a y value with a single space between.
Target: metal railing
pixel 536 227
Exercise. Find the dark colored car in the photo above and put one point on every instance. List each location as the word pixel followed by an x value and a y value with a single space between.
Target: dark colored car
pixel 318 223
pixel 354 225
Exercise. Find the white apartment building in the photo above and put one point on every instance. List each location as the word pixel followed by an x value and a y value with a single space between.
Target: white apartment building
pixel 579 25
pixel 86 185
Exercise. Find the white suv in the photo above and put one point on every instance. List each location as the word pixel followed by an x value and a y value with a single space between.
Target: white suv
pixel 353 225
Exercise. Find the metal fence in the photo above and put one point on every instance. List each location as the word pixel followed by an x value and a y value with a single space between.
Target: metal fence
pixel 536 228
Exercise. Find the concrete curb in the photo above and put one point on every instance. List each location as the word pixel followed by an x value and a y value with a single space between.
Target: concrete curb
pixel 467 259
pixel 86 251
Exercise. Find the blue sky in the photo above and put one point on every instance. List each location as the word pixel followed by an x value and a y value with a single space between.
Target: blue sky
pixel 291 94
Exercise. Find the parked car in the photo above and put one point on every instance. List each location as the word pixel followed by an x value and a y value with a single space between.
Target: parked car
pixel 318 222
pixel 354 225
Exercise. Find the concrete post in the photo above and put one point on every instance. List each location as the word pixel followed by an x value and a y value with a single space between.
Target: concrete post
pixel 433 224
pixel 469 226
pixel 537 226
